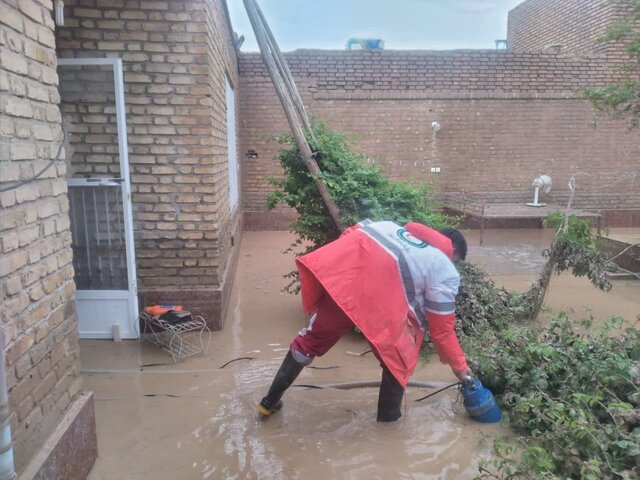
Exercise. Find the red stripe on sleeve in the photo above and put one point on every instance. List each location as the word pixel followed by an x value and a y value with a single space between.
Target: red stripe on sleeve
pixel 444 338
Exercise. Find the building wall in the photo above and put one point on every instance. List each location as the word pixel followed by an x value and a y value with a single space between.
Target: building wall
pixel 38 312
pixel 223 63
pixel 506 117
pixel 176 55
pixel 577 25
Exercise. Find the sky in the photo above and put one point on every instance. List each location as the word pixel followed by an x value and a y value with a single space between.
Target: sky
pixel 402 24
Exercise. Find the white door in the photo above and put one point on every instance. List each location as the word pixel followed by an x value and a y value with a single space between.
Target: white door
pixel 100 215
pixel 231 146
pixel 98 232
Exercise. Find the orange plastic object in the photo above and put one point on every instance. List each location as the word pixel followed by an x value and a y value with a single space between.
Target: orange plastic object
pixel 157 310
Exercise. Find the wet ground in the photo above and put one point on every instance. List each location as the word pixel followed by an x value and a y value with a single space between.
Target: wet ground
pixel 194 420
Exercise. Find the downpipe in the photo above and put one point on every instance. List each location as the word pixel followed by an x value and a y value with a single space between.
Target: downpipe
pixel 7 470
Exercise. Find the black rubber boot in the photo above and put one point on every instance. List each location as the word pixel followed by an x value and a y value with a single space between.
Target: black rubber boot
pixel 389 398
pixel 288 372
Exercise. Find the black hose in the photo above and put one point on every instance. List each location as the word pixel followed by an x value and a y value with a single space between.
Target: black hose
pixel 146 365
pixel 438 391
pixel 371 384
pixel 236 359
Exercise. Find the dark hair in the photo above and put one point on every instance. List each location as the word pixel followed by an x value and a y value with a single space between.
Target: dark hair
pixel 458 241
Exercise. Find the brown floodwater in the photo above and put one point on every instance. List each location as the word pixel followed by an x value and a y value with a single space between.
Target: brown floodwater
pixel 513 259
pixel 194 420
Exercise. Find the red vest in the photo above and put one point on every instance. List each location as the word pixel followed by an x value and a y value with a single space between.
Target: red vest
pixel 369 276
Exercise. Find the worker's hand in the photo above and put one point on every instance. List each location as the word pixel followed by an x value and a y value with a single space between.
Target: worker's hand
pixel 464 375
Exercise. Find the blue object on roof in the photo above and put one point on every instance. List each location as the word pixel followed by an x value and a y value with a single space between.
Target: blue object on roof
pixel 502 44
pixel 365 44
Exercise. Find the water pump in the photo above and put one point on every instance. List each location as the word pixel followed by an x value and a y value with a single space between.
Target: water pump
pixel 479 402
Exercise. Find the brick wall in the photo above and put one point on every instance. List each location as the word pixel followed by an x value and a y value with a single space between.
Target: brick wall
pixel 36 277
pixel 505 117
pixel 176 55
pixel 222 62
pixel 576 25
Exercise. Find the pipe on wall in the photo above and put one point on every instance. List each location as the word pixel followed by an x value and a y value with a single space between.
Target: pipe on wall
pixel 7 469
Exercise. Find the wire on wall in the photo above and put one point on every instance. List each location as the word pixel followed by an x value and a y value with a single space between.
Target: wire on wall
pixel 14 185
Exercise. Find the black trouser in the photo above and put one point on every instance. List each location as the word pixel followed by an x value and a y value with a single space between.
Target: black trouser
pixel 389 398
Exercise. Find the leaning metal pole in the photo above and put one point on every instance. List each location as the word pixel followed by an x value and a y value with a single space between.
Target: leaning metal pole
pixel 283 68
pixel 269 51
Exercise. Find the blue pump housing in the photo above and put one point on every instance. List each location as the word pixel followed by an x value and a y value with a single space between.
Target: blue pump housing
pixel 480 403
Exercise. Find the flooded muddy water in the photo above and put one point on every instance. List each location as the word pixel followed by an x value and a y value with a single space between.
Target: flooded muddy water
pixel 513 259
pixel 194 420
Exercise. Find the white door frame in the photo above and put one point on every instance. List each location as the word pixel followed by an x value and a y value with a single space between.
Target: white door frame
pixel 123 150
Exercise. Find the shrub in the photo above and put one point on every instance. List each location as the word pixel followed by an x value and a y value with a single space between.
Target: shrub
pixel 573 399
pixel 622 100
pixel 360 191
